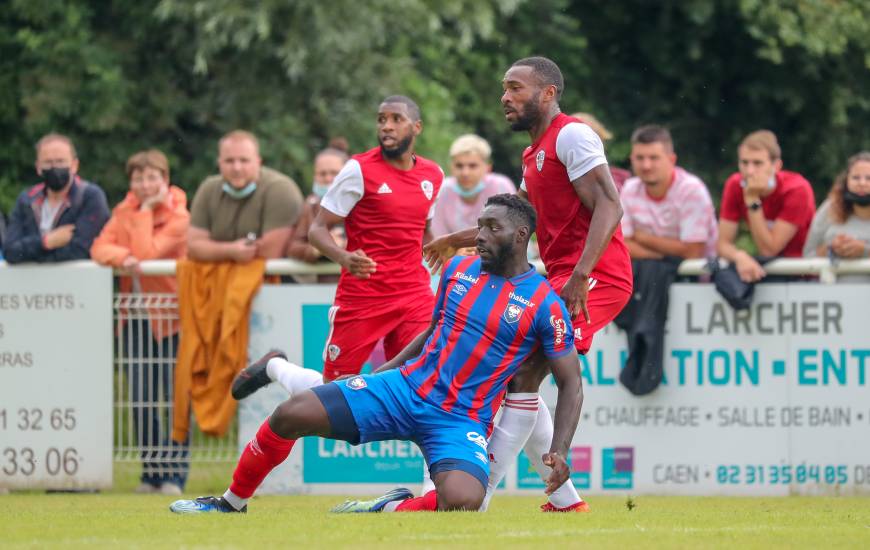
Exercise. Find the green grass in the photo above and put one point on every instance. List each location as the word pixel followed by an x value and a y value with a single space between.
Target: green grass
pixel 127 521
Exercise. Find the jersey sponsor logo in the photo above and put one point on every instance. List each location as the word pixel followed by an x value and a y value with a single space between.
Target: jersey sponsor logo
pixel 512 313
pixel 357 383
pixel 539 160
pixel 384 188
pixel 459 289
pixel 477 439
pixel 480 456
pixel 427 188
pixel 333 351
pixel 465 277
pixel 560 328
pixel 521 300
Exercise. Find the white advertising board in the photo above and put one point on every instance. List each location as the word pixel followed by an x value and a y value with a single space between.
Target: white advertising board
pixel 770 401
pixel 56 377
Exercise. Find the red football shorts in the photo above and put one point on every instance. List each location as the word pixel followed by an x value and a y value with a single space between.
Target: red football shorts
pixel 354 332
pixel 604 303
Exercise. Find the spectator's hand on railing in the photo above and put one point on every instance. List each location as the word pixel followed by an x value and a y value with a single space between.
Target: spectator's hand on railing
pixel 243 250
pixel 358 264
pixel 59 236
pixel 749 270
pixel 846 246
pixel 130 266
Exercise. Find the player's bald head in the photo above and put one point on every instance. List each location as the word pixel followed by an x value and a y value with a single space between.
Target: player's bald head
pixel 545 71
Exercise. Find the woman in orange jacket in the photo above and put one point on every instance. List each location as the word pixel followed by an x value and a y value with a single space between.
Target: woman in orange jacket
pixel 150 223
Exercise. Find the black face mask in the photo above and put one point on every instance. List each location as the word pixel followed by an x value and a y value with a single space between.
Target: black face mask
pixel 854 198
pixel 56 178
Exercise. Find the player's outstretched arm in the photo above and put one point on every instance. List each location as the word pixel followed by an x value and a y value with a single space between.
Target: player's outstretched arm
pixel 412 350
pixel 569 401
pixel 438 251
pixel 319 235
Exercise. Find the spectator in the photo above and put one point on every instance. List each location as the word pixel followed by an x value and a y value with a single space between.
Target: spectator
pixel 327 165
pixel 841 227
pixel 618 174
pixel 58 219
pixel 666 210
pixel 472 182
pixel 150 223
pixel 777 205
pixel 245 212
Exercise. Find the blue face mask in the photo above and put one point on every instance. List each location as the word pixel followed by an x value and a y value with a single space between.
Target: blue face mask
pixel 468 193
pixel 319 189
pixel 242 193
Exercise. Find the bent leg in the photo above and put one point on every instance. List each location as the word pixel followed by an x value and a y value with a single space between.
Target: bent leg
pixel 458 490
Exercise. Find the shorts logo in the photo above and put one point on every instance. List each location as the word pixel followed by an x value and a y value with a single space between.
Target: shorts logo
pixel 577 334
pixel 427 188
pixel 539 160
pixel 560 328
pixel 357 383
pixel 333 351
pixel 477 439
pixel 512 313
pixel 480 456
pixel 459 289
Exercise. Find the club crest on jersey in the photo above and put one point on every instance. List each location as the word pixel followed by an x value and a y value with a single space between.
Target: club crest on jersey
pixel 560 328
pixel 539 160
pixel 512 313
pixel 357 383
pixel 427 188
pixel 333 351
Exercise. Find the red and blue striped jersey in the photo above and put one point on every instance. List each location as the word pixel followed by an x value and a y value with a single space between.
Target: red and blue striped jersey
pixel 486 327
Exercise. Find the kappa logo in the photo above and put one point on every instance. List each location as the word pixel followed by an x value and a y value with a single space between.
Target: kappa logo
pixel 512 313
pixel 357 383
pixel 539 160
pixel 427 188
pixel 480 456
pixel 560 328
pixel 333 351
pixel 384 189
pixel 459 289
pixel 477 439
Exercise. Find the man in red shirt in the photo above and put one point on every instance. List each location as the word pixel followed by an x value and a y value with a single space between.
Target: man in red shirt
pixel 567 180
pixel 384 198
pixel 777 205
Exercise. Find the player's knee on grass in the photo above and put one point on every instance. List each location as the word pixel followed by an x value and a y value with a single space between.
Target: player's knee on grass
pixel 458 490
pixel 530 375
pixel 300 416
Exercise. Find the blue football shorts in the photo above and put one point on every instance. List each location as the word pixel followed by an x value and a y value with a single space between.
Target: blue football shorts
pixel 378 407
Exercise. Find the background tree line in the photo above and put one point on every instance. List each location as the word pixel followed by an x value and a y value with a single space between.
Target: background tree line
pixel 119 76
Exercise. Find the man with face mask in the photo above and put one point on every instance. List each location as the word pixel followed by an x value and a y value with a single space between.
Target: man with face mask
pixel 56 220
pixel 327 165
pixel 245 212
pixel 777 206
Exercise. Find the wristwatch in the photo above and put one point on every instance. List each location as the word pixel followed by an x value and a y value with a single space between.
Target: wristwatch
pixel 754 205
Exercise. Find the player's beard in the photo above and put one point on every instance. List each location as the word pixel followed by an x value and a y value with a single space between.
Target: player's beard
pixel 529 116
pixel 498 261
pixel 400 149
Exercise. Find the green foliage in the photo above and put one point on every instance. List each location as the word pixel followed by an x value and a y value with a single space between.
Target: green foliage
pixel 119 76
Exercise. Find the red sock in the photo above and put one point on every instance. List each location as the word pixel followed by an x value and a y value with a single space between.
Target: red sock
pixel 260 456
pixel 425 503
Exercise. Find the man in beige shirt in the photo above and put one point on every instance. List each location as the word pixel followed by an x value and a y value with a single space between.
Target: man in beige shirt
pixel 245 212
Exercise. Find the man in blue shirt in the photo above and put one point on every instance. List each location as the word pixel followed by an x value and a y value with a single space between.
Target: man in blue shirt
pixel 492 312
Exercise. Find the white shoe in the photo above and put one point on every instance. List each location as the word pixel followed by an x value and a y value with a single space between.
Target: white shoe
pixel 147 489
pixel 170 488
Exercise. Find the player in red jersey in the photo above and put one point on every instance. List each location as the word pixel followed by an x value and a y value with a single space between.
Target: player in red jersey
pixel 385 198
pixel 567 180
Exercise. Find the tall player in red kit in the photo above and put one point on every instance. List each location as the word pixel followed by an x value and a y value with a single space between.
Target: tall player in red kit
pixel 566 178
pixel 385 198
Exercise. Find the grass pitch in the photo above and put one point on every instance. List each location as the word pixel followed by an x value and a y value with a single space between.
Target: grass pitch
pixel 128 521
